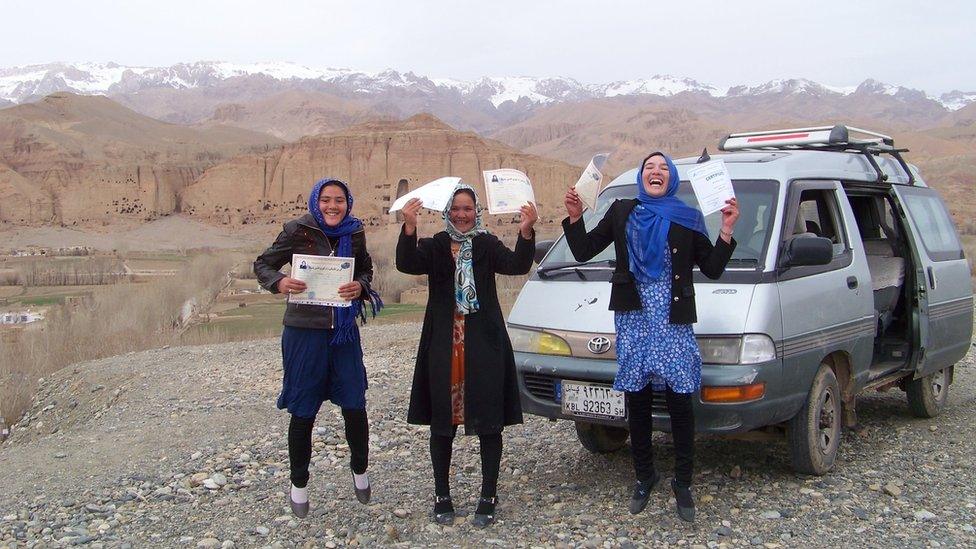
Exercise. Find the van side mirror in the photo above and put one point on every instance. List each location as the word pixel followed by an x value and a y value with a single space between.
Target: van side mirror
pixel 808 250
pixel 542 248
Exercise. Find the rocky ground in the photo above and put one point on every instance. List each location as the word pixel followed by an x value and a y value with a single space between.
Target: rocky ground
pixel 182 447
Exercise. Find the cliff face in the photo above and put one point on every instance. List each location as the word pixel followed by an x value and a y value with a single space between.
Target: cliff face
pixel 379 160
pixel 74 160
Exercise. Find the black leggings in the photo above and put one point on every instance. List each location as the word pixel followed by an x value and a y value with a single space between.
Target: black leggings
pixel 300 444
pixel 491 459
pixel 682 430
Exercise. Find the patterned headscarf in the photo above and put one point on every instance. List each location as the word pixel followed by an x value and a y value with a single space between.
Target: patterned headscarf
pixel 465 294
pixel 345 324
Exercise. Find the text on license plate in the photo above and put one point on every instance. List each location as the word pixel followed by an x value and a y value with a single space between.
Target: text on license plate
pixel 592 400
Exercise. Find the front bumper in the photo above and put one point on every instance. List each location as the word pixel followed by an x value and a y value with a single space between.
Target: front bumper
pixel 539 374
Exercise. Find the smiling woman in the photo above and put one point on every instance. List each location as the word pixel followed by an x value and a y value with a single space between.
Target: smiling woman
pixel 471 380
pixel 322 354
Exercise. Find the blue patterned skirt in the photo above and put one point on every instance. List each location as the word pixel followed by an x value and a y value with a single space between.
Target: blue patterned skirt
pixel 652 350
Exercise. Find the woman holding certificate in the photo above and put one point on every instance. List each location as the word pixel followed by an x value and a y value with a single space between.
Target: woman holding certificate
pixel 320 345
pixel 470 381
pixel 658 239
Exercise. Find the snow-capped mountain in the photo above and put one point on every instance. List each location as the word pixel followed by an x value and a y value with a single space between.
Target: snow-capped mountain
pixel 19 84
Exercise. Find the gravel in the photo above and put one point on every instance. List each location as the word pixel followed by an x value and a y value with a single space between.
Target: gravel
pixel 183 447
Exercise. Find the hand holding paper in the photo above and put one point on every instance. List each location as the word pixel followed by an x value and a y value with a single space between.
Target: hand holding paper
pixel 588 186
pixel 712 185
pixel 435 195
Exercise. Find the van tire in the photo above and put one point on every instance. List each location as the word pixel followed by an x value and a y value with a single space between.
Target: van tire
pixel 814 432
pixel 928 395
pixel 601 439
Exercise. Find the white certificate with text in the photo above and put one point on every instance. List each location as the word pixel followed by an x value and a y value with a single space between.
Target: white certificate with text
pixel 322 275
pixel 435 195
pixel 712 185
pixel 588 186
pixel 507 191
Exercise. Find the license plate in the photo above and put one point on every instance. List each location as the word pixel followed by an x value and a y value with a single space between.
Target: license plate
pixel 592 400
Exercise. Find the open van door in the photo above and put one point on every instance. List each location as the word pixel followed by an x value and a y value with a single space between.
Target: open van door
pixel 944 311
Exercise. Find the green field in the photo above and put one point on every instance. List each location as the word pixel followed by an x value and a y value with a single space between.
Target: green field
pixel 42 296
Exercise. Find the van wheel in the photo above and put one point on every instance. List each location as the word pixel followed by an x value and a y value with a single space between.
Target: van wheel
pixel 601 439
pixel 814 432
pixel 927 395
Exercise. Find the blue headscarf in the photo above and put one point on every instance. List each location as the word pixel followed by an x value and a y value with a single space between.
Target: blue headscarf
pixel 345 317
pixel 650 221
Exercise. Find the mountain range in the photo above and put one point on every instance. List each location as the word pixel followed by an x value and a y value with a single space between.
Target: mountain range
pixel 238 143
pixel 26 83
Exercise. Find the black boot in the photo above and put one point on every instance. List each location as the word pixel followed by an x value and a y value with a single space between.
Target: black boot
pixel 485 513
pixel 443 510
pixel 684 501
pixel 642 493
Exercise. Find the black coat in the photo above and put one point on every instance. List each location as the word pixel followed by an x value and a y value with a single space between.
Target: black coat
pixel 303 236
pixel 491 396
pixel 687 249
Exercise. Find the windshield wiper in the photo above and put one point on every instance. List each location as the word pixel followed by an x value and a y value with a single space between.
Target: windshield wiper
pixel 749 260
pixel 547 272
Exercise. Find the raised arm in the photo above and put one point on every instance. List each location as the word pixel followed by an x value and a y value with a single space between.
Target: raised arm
pixel 585 245
pixel 413 257
pixel 517 262
pixel 712 259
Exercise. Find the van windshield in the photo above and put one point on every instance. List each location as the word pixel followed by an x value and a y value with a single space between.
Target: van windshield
pixel 757 205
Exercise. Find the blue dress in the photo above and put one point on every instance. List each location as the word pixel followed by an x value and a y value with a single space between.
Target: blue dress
pixel 652 350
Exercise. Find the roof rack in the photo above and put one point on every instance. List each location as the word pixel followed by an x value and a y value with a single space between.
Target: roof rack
pixel 837 138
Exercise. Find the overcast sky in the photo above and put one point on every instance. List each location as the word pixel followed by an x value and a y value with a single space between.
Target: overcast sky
pixel 926 46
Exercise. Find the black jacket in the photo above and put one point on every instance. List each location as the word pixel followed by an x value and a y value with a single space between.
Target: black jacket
pixel 687 249
pixel 491 396
pixel 303 236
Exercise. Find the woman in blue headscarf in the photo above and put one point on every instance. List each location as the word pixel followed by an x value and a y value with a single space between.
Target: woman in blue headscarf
pixel 658 239
pixel 320 346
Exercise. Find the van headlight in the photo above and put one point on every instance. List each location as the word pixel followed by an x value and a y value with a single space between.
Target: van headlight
pixel 748 349
pixel 534 341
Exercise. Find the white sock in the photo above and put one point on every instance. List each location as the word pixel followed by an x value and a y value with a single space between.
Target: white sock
pixel 361 481
pixel 299 495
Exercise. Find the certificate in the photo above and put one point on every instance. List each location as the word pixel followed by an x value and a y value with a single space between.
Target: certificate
pixel 507 191
pixel 322 275
pixel 588 186
pixel 435 195
pixel 712 185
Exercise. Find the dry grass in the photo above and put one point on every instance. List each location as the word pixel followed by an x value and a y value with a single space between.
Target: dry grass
pixel 117 319
pixel 64 272
pixel 387 280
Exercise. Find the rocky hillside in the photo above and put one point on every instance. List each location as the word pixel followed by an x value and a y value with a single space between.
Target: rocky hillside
pixel 71 159
pixel 380 161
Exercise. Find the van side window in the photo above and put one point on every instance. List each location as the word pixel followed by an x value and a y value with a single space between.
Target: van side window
pixel 937 233
pixel 819 215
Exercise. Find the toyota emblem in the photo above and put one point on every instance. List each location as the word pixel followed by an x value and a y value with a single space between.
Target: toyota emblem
pixel 599 345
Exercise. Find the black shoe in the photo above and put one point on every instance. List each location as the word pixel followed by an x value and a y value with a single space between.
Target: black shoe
pixel 684 501
pixel 443 510
pixel 364 494
pixel 485 513
pixel 642 493
pixel 300 510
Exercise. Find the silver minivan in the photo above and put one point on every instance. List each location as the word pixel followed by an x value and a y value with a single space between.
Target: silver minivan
pixel 848 276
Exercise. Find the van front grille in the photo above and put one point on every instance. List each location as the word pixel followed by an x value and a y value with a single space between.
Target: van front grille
pixel 540 386
pixel 543 387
